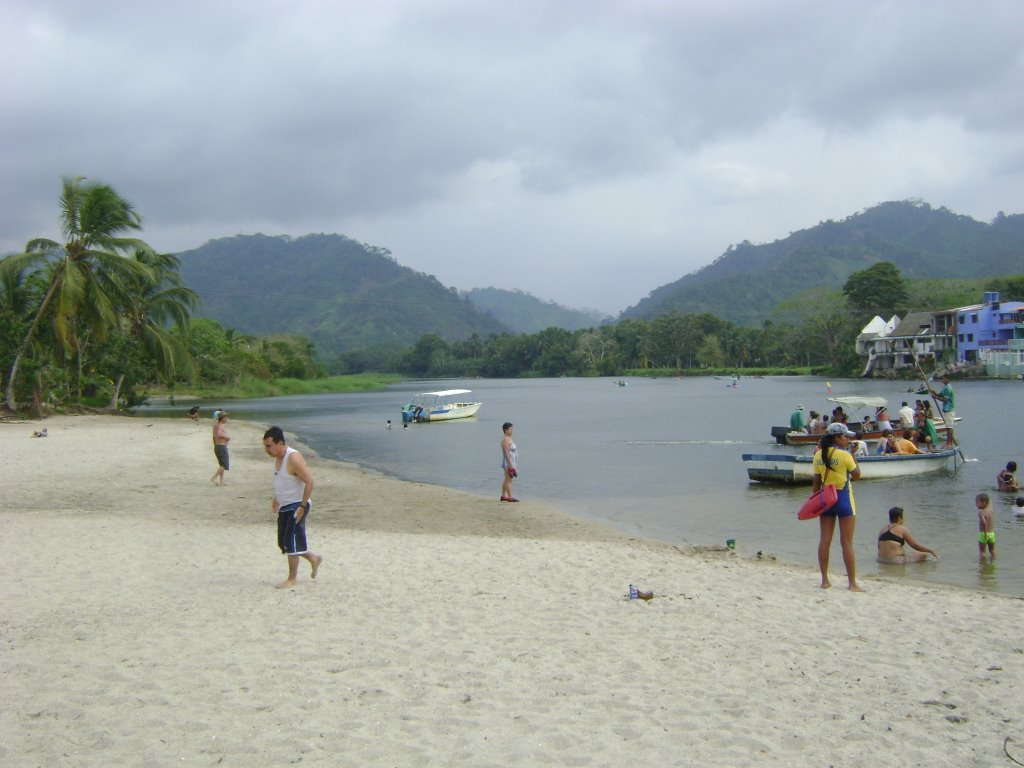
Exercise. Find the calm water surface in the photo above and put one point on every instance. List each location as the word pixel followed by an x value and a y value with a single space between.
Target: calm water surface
pixel 661 458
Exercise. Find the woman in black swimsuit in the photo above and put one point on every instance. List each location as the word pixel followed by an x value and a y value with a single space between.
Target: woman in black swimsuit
pixel 893 536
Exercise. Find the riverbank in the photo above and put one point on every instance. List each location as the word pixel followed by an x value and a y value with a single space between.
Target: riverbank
pixel 141 626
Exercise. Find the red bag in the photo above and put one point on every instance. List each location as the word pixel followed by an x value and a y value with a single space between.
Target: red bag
pixel 818 503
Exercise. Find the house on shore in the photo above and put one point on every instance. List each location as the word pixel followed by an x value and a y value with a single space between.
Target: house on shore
pixel 896 346
pixel 992 334
pixel 989 335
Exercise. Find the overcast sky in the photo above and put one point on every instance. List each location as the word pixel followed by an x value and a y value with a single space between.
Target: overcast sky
pixel 584 152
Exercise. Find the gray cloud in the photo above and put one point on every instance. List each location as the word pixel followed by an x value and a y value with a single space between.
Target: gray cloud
pixel 585 153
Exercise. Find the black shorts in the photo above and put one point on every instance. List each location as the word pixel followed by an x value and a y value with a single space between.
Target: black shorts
pixel 221 452
pixel 291 535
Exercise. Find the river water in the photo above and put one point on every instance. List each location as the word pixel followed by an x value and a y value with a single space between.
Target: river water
pixel 661 458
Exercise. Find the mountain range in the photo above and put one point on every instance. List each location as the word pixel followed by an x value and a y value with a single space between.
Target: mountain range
pixel 746 282
pixel 346 295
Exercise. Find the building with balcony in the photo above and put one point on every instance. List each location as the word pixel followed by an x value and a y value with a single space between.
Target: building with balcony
pixel 991 333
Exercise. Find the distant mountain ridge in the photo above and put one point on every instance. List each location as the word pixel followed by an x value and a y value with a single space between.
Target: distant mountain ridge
pixel 341 293
pixel 524 313
pixel 746 282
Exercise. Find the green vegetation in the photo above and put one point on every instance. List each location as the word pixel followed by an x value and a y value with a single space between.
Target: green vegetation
pixel 746 283
pixel 813 332
pixel 250 387
pixel 104 319
pixel 523 313
pixel 341 294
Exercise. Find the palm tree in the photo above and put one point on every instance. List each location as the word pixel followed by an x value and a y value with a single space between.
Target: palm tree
pixel 156 300
pixel 88 273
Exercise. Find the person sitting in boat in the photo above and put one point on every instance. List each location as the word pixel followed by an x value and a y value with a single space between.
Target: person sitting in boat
pixel 893 536
pixel 858 447
pixel 882 418
pixel 1007 479
pixel 927 435
pixel 887 444
pixel 905 444
pixel 839 415
pixel 867 425
pixel 815 426
pixel 906 415
pixel 796 420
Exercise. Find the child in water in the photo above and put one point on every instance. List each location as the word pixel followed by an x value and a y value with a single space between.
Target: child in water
pixel 986 527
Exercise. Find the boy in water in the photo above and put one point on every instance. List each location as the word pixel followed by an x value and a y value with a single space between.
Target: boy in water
pixel 986 527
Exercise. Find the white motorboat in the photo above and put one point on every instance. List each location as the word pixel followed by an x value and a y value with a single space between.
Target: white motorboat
pixel 798 469
pixel 445 405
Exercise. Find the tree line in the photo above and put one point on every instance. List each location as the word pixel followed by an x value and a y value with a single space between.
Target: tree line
pixel 101 316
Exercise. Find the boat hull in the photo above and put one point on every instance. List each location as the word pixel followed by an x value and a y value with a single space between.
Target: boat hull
pixel 798 470
pixel 444 412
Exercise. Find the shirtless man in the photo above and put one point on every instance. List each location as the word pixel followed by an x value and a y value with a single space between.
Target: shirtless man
pixel 293 486
pixel 220 447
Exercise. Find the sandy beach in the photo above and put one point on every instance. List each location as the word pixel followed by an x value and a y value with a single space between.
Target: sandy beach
pixel 141 627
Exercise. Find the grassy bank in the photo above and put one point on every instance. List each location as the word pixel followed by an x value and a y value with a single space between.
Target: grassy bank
pixel 250 388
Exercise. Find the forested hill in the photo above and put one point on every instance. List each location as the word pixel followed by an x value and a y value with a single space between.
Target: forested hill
pixel 747 281
pixel 341 293
pixel 524 313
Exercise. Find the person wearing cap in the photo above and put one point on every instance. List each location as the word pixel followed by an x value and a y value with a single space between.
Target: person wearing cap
pixel 221 438
pixel 833 465
pixel 796 420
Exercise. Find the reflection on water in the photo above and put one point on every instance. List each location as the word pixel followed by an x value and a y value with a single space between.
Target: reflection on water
pixel 987 571
pixel 661 458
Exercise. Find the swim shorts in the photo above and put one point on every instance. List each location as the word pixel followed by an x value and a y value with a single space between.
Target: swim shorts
pixel 221 452
pixel 843 506
pixel 291 535
pixel 987 537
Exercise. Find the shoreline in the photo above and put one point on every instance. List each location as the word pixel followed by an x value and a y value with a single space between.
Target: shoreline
pixel 141 626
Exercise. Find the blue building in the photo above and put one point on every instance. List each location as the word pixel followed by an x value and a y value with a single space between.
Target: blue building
pixel 989 331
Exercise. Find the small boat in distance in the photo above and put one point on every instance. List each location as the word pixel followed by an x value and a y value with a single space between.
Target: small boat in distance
pixel 445 405
pixel 794 469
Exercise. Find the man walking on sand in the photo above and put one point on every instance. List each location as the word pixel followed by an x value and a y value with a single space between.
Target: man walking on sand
pixel 293 486
pixel 220 447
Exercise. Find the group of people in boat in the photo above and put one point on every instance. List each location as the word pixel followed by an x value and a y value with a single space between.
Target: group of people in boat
pixel 914 431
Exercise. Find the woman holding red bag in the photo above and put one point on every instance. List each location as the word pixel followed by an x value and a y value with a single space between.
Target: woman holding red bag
pixel 509 462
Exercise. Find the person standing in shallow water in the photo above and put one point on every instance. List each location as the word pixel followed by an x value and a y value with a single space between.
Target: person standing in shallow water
pixel 293 487
pixel 833 465
pixel 509 462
